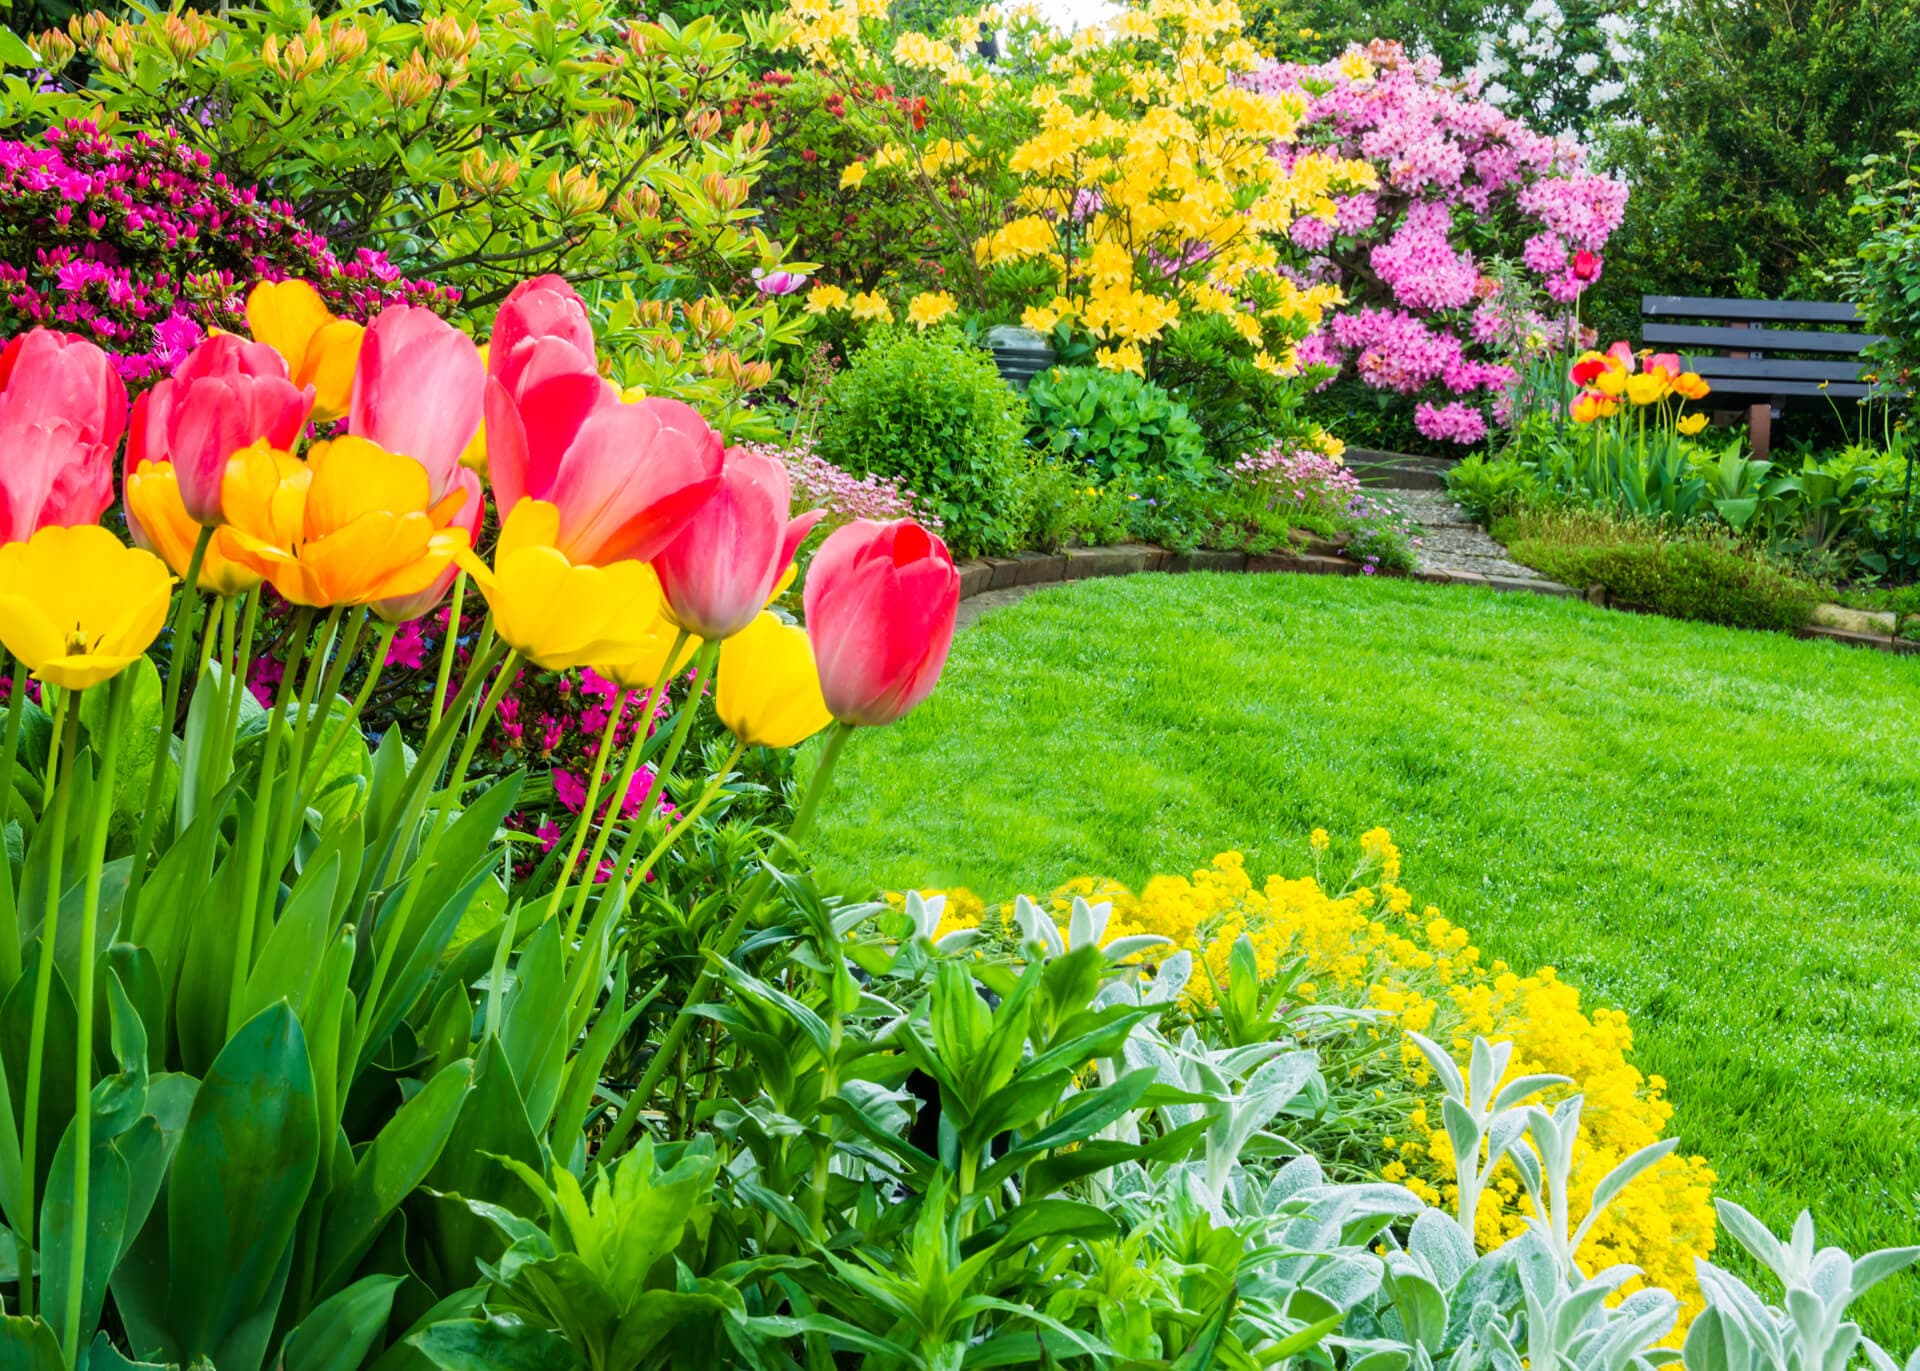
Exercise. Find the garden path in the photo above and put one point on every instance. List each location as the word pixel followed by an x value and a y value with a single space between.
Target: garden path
pixel 1451 543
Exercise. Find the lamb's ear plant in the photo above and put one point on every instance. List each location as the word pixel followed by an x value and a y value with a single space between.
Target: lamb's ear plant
pixel 1810 1330
pixel 1481 1115
pixel 1547 1171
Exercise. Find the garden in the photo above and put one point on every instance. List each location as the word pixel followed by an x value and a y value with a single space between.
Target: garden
pixel 524 852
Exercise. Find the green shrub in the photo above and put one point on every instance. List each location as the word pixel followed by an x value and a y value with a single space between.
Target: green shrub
pixel 1115 428
pixel 1488 490
pixel 934 413
pixel 1704 576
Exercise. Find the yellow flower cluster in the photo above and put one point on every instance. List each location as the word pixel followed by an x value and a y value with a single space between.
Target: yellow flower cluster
pixel 1367 946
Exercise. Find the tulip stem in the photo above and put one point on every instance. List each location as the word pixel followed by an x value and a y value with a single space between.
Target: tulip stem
pixel 237 683
pixel 183 620
pixel 83 1002
pixel 375 665
pixel 9 754
pixel 584 819
pixel 447 646
pixel 66 732
pixel 260 820
pixel 722 947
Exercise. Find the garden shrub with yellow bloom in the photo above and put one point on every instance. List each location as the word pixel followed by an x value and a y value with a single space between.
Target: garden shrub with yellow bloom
pixel 1368 945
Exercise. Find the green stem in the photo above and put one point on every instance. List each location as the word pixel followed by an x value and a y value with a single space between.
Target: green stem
pixel 447 645
pixel 83 1001
pixel 9 752
pixel 375 666
pixel 66 732
pixel 183 619
pixel 723 946
pixel 260 821
pixel 584 819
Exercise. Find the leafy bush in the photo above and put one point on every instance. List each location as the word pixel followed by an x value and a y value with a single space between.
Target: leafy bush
pixel 1698 575
pixel 1488 490
pixel 138 245
pixel 1116 426
pixel 927 410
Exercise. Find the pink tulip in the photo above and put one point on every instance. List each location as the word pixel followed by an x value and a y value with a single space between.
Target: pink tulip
pixel 406 608
pixel 52 475
pixel 1586 266
pixel 47 375
pixel 880 604
pixel 722 568
pixel 419 390
pixel 1622 352
pixel 227 394
pixel 542 328
pixel 1667 362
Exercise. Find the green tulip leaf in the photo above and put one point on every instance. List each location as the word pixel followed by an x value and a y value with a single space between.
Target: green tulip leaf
pixel 109 1186
pixel 341 1330
pixel 495 1344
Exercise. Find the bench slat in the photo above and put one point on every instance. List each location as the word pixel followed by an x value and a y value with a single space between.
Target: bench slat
pixel 1755 339
pixel 1748 385
pixel 1771 368
pixel 1760 311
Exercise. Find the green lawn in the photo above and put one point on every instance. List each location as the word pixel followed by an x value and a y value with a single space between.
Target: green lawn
pixel 1716 831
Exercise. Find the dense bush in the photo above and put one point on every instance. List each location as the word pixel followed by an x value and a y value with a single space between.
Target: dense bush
pixel 138 245
pixel 1117 427
pixel 1467 218
pixel 1712 578
pixel 932 412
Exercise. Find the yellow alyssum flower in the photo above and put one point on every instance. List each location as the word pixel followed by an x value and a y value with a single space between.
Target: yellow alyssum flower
pixel 871 305
pixel 768 689
pixel 321 351
pixel 559 615
pixel 826 299
pixel 352 524
pixel 852 175
pixel 1691 424
pixel 930 307
pixel 78 606
pixel 160 522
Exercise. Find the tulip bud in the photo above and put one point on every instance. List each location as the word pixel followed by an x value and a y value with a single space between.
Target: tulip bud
pixel 880 602
pixel 55 49
pixel 575 194
pixel 768 690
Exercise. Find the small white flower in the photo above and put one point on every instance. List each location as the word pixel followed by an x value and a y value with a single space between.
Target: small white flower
pixel 1517 34
pixel 1498 94
pixel 1605 92
pixel 1586 63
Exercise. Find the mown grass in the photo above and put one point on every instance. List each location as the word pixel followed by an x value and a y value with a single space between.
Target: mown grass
pixel 1717 831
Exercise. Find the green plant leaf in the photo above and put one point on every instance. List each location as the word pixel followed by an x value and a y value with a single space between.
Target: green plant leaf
pixel 341 1330
pixel 495 1344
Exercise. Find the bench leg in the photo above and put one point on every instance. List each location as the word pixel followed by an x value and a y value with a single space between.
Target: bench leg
pixel 1760 429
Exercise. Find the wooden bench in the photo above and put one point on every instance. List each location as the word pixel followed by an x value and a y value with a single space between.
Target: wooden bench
pixel 1738 349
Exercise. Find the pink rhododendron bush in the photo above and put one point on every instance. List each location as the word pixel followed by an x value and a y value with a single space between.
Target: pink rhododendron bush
pixel 1475 245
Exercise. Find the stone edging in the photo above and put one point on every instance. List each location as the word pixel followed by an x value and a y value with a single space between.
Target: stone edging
pixel 978 575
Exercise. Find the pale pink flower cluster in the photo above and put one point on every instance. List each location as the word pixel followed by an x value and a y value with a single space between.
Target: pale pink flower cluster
pixel 819 484
pixel 1419 312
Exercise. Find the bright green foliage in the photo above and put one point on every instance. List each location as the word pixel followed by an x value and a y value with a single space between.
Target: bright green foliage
pixel 1658 809
pixel 1486 490
pixel 1116 427
pixel 932 411
pixel 1884 280
pixel 1748 121
pixel 486 143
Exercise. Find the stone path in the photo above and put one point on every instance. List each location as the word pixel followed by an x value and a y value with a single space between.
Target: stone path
pixel 1452 546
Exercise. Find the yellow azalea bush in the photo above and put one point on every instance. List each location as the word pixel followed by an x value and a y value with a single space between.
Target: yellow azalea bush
pixel 1118 182
pixel 1369 945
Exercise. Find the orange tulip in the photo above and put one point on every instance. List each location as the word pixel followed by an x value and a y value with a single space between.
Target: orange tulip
pixel 352 524
pixel 1690 385
pixel 321 351
pixel 159 522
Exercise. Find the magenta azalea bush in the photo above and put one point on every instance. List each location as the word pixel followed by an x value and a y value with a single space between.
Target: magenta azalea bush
pixel 1463 189
pixel 137 245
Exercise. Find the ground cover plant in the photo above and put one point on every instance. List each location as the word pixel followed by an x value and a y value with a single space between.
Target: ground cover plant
pixel 1674 817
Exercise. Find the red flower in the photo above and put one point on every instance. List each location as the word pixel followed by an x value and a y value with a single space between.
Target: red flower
pixel 1586 266
pixel 880 604
pixel 726 561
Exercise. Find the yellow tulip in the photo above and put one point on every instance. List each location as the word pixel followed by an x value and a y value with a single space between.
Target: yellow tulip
pixel 559 615
pixel 352 524
pixel 1647 388
pixel 1691 425
pixel 651 665
pixel 768 692
pixel 474 455
pixel 159 521
pixel 1611 382
pixel 321 351
pixel 78 606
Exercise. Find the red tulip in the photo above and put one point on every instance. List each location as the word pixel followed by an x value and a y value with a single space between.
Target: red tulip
pixel 51 474
pixel 539 319
pixel 1586 266
pixel 419 390
pixel 46 375
pixel 228 394
pixel 880 603
pixel 727 560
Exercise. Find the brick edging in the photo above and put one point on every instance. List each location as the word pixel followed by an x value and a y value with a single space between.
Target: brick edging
pixel 979 575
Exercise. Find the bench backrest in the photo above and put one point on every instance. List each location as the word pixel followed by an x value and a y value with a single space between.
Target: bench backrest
pixel 1758 331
